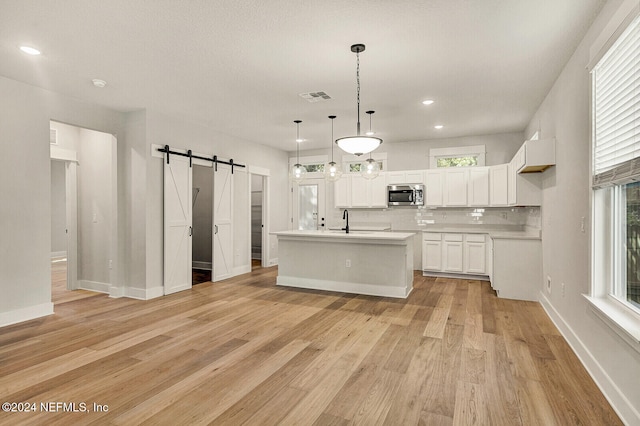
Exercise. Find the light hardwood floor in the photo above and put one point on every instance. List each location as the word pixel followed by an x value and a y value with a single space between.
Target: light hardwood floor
pixel 244 351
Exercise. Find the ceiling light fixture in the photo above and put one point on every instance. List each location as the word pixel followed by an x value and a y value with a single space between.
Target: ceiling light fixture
pixel 438 126
pixel 99 83
pixel 427 102
pixel 30 50
pixel 332 170
pixel 370 132
pixel 358 145
pixel 370 168
pixel 298 171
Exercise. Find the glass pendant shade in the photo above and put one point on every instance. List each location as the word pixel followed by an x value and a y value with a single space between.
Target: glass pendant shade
pixel 370 169
pixel 298 172
pixel 332 171
pixel 358 145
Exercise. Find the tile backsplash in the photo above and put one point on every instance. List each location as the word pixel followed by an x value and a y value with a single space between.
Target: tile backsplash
pixel 419 218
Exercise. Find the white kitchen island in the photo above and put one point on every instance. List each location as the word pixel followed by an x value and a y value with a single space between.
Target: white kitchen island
pixel 361 262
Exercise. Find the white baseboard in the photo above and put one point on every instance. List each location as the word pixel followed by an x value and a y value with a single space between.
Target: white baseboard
pixel 94 286
pixel 58 254
pixel 619 402
pixel 144 294
pixel 344 287
pixel 201 265
pixel 273 262
pixel 116 292
pixel 25 314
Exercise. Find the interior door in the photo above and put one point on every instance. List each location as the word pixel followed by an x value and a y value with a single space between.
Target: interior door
pixel 309 205
pixel 222 223
pixel 178 182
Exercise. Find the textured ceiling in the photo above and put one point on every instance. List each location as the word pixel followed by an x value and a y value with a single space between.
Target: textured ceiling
pixel 239 66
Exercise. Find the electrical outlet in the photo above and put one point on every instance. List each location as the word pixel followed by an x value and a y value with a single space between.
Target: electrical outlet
pixel 582 219
pixel 504 215
pixel 562 289
pixel 110 264
pixel 95 218
pixel 348 263
pixel 548 284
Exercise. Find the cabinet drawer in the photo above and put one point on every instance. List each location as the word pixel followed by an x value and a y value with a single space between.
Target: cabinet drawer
pixel 475 238
pixel 452 237
pixel 431 236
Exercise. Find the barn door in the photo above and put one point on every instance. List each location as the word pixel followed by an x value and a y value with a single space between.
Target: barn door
pixel 222 223
pixel 178 176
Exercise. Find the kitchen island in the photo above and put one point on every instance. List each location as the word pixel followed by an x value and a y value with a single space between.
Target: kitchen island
pixel 361 262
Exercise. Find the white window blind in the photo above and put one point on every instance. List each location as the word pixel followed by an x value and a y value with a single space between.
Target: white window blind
pixel 616 80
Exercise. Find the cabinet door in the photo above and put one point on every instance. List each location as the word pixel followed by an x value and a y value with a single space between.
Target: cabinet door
pixel 433 188
pixel 478 186
pixel 452 253
pixel 378 191
pixel 359 191
pixel 455 184
pixel 395 178
pixel 432 255
pixel 499 178
pixel 342 192
pixel 475 260
pixel 414 177
pixel 512 184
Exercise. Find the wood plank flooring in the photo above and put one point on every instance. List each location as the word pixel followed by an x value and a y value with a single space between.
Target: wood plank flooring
pixel 244 351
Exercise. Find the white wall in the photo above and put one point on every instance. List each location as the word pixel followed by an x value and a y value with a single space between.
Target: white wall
pixel 25 193
pixel 95 209
pixel 58 209
pixel 564 114
pixel 414 155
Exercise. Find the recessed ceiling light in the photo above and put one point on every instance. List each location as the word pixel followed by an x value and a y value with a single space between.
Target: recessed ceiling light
pixel 99 83
pixel 438 126
pixel 30 50
pixel 370 133
pixel 427 102
pixel 299 140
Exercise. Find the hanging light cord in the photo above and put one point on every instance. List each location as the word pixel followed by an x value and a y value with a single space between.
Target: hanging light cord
pixel 331 139
pixel 358 82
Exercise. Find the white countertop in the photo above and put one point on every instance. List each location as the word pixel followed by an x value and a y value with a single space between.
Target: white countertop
pixel 496 232
pixel 352 235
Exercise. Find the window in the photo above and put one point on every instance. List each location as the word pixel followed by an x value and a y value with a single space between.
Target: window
pixel 615 291
pixel 463 156
pixel 351 163
pixel 469 160
pixel 313 164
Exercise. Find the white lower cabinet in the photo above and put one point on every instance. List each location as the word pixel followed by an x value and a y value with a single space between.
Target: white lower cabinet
pixel 431 251
pixel 450 253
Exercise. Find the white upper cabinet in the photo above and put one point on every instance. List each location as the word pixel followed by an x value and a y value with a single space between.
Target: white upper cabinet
pixel 405 177
pixel 433 187
pixel 499 177
pixel 478 186
pixel 342 192
pixel 536 156
pixel 354 191
pixel 455 187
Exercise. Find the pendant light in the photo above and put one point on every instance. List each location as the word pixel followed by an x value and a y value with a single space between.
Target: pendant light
pixel 370 169
pixel 358 145
pixel 298 171
pixel 332 170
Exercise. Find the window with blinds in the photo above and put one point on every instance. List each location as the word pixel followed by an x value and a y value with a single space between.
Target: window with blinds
pixel 616 84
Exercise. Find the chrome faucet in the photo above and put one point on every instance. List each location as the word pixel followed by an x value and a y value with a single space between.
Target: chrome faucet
pixel 345 215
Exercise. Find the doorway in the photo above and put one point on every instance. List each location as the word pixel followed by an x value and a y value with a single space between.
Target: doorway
pixel 84 220
pixel 309 205
pixel 202 203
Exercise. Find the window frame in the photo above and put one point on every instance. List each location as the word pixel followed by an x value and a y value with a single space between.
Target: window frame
pixel 609 209
pixel 455 152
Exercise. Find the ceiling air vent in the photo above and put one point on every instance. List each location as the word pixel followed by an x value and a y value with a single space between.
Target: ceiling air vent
pixel 53 136
pixel 315 96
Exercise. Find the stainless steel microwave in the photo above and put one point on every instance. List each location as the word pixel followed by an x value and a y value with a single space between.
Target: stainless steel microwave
pixel 405 195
